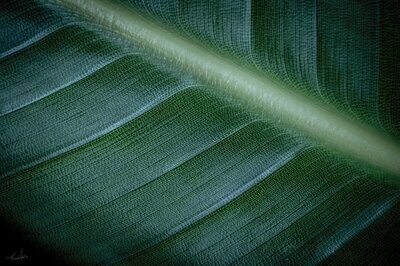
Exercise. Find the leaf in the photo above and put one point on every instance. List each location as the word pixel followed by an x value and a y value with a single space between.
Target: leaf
pixel 143 132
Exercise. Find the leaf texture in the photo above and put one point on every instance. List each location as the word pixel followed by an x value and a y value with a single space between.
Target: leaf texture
pixel 111 155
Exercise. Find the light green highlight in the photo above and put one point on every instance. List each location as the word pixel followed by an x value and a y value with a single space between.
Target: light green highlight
pixel 259 93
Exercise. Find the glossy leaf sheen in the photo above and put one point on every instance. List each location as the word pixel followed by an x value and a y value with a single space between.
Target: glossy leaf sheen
pixel 113 153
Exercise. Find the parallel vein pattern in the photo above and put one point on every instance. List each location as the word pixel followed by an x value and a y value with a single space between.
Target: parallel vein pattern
pixel 259 92
pixel 112 156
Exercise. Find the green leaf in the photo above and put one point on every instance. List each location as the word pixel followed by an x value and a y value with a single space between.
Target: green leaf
pixel 201 132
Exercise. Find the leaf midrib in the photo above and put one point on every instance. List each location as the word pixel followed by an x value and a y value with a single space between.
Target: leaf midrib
pixel 257 92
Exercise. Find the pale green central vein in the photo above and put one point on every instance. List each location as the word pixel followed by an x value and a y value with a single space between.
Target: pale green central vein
pixel 257 92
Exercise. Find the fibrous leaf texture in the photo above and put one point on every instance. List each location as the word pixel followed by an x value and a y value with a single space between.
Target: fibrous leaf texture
pixel 202 132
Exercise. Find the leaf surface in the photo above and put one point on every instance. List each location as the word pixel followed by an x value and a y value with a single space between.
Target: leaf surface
pixel 209 132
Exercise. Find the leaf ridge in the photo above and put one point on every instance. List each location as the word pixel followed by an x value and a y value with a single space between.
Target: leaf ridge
pixel 143 110
pixel 203 150
pixel 218 205
pixel 262 94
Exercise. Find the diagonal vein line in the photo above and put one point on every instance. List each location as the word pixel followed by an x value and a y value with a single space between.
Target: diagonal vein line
pixel 389 201
pixel 258 92
pixel 202 151
pixel 257 217
pixel 281 201
pixel 218 205
pixel 144 109
pixel 340 216
pixel 205 184
pixel 35 38
pixel 29 42
pixel 301 205
pixel 77 79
